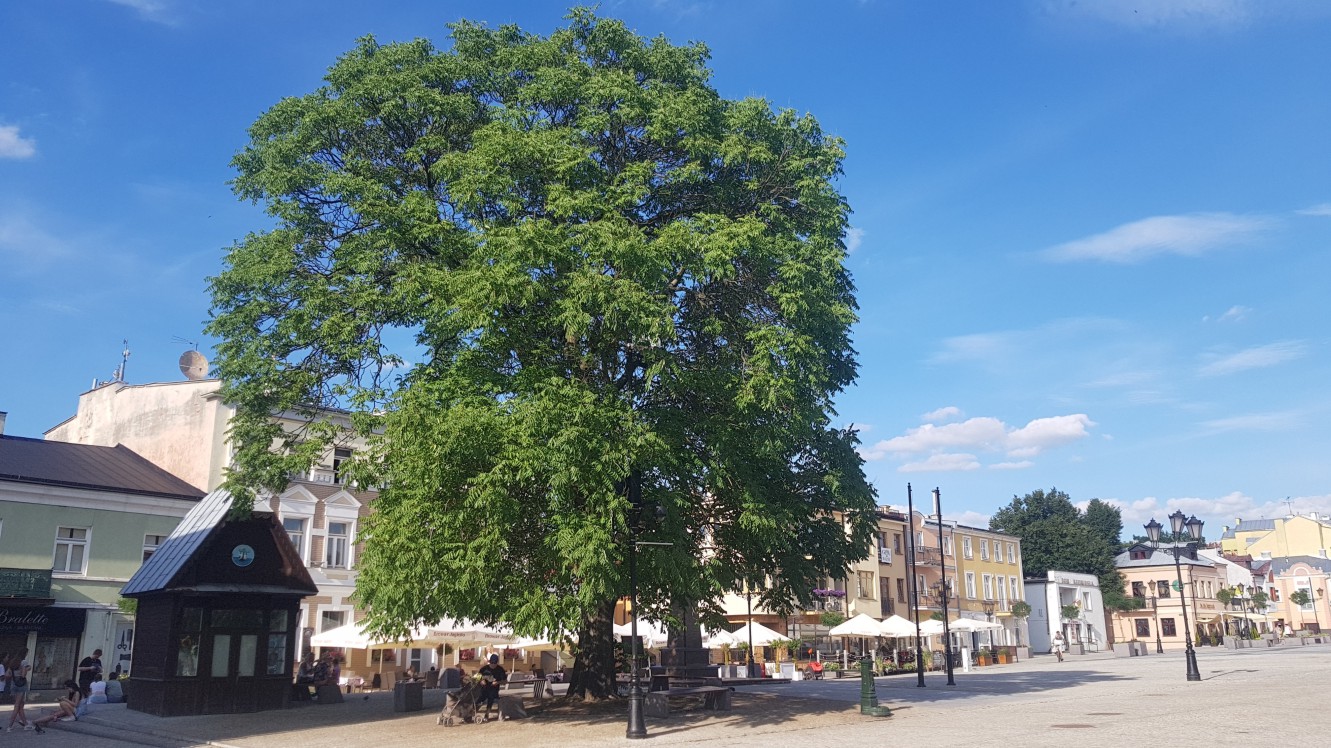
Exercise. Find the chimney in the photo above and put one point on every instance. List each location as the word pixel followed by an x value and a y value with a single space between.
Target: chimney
pixel 2 422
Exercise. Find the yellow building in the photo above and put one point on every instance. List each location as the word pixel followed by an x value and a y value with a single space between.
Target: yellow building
pixel 1295 535
pixel 990 578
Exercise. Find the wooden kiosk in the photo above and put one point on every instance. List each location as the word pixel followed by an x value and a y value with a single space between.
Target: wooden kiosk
pixel 218 606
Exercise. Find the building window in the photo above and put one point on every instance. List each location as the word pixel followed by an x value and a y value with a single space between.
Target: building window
pixel 71 550
pixel 1162 589
pixel 966 546
pixel 970 585
pixel 1138 589
pixel 920 589
pixel 864 585
pixel 988 580
pixel 1167 627
pixel 1001 589
pixel 331 619
pixel 151 544
pixel 947 545
pixel 295 528
pixel 901 590
pixel 1143 627
pixel 1086 601
pixel 335 553
pixel 984 549
pixel 341 457
pixel 896 543
pixel 1011 553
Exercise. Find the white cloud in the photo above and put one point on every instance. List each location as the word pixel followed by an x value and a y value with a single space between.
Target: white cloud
pixel 854 237
pixel 943 463
pixel 27 244
pixel 1260 357
pixel 1022 465
pixel 1216 512
pixel 1157 13
pixel 1323 209
pixel 971 519
pixel 13 145
pixel 952 446
pixel 947 413
pixel 1235 313
pixel 1187 236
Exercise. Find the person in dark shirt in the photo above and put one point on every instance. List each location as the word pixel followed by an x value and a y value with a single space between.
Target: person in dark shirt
pixel 90 667
pixel 493 675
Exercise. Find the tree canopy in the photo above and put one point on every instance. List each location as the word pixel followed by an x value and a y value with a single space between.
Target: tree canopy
pixel 528 268
pixel 1055 535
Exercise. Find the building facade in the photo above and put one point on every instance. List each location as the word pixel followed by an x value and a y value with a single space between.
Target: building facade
pixel 76 522
pixel 1292 535
pixel 991 580
pixel 1069 603
pixel 1151 578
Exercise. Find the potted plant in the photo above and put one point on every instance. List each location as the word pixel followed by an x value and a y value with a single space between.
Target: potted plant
pixel 981 657
pixel 1001 655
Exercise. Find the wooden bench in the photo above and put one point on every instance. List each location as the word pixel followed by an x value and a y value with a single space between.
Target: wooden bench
pixel 657 703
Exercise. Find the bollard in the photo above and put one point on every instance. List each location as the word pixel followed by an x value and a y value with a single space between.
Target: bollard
pixel 868 693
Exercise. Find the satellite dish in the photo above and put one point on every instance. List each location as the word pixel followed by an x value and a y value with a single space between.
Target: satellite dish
pixel 193 365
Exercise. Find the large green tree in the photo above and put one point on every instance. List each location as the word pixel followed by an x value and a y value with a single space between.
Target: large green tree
pixel 528 268
pixel 1055 535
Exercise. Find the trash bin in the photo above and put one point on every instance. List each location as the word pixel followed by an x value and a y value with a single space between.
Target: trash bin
pixel 408 696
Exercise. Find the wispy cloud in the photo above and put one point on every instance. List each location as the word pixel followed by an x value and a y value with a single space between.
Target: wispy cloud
pixel 1154 13
pixel 953 446
pixel 1235 313
pixel 1279 421
pixel 13 145
pixel 156 11
pixel 1260 357
pixel 1216 512
pixel 26 245
pixel 854 238
pixel 1187 236
pixel 1323 209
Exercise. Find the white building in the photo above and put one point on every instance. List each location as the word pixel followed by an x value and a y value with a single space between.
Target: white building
pixel 1069 602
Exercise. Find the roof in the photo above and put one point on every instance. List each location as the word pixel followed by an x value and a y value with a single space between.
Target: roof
pixel 1250 525
pixel 117 468
pixel 1161 556
pixel 1284 563
pixel 161 567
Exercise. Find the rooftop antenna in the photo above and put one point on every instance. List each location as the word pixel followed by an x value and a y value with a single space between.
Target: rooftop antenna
pixel 192 363
pixel 119 375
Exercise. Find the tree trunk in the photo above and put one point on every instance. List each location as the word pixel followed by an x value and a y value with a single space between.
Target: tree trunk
pixel 594 668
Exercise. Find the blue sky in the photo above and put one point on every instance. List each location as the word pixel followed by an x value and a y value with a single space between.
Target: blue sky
pixel 1090 238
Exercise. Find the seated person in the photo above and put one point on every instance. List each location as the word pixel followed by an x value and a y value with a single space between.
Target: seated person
pixel 493 676
pixel 65 707
pixel 410 674
pixel 326 671
pixel 114 693
pixel 305 673
pixel 97 690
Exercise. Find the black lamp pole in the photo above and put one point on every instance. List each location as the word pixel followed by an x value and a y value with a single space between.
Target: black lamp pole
pixel 1155 606
pixel 1194 526
pixel 942 566
pixel 637 725
pixel 988 607
pixel 911 562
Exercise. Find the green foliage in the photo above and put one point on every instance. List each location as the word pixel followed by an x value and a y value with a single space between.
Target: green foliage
pixel 1224 595
pixel 1105 521
pixel 937 615
pixel 128 605
pixel 1070 611
pixel 831 619
pixel 1021 609
pixel 1260 600
pixel 529 267
pixel 1055 535
pixel 1300 598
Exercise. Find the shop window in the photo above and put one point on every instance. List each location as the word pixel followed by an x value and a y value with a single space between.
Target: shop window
pixel 71 550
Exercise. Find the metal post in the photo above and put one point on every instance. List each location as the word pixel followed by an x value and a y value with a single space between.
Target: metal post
pixel 748 599
pixel 942 567
pixel 1189 653
pixel 915 592
pixel 1155 606
pixel 637 727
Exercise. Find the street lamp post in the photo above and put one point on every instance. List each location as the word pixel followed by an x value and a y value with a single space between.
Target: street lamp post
pixel 1194 526
pixel 942 567
pixel 988 607
pixel 748 601
pixel 1155 607
pixel 637 727
pixel 911 567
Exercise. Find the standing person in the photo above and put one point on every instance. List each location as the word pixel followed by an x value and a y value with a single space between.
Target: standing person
pixel 90 667
pixel 18 670
pixel 1058 645
pixel 493 675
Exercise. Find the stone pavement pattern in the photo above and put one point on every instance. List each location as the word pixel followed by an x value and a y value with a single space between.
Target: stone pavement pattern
pixel 1252 698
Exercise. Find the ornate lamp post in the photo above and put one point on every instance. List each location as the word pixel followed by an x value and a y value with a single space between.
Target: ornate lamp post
pixel 942 587
pixel 988 607
pixel 1155 607
pixel 1194 526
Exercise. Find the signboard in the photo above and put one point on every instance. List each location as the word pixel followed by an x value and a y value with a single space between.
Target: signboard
pixel 45 621
pixel 25 582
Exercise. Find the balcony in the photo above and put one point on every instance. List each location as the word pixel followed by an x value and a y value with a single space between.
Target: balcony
pixel 932 557
pixel 828 605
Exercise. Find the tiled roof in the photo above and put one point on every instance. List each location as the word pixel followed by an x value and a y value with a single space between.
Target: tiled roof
pixel 1282 564
pixel 1250 525
pixel 86 466
pixel 1159 557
